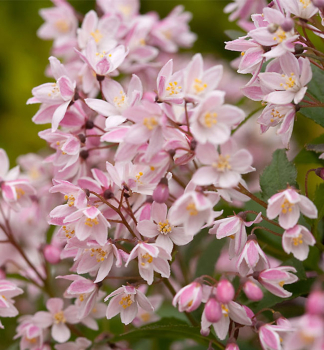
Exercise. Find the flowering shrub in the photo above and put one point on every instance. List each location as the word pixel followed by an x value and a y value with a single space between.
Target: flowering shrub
pixel 146 212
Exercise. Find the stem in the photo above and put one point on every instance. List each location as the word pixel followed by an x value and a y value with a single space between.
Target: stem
pixel 243 190
pixel 180 182
pixel 263 217
pixel 187 119
pixel 266 229
pixel 250 115
pixel 306 181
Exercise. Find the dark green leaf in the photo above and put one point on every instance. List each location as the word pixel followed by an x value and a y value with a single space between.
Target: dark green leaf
pixel 168 328
pixel 278 174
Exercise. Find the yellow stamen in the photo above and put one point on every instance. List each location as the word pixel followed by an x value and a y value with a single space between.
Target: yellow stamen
pixel 165 227
pixel 126 301
pixel 286 206
pixel 150 122
pixel 59 317
pixel 96 35
pixel 191 207
pixel 90 222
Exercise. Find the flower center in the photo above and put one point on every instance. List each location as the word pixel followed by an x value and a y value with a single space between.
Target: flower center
pixel 223 163
pixel 199 86
pixel 99 253
pixel 150 122
pixel 281 284
pixel 70 199
pixel 102 54
pixel 290 81
pixel 298 240
pixel 96 35
pixel 145 317
pixel 55 90
pixel 225 310
pixel 173 88
pixel 59 317
pixel 90 222
pixel 146 258
pixel 20 192
pixel 138 177
pixel 62 26
pixel 69 233
pixel 165 227
pixel 126 301
pixel 280 35
pixel 210 119
pixel 191 207
pixel 276 115
pixel 305 3
pixel 120 100
pixel 286 206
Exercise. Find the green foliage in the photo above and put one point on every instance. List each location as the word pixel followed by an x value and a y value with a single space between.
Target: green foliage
pixel 167 328
pixel 278 174
pixel 316 88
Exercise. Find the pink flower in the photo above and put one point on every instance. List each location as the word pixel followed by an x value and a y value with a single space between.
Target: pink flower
pixel 235 228
pixel 97 259
pixel 89 223
pixel 289 84
pixel 57 319
pixel 126 300
pixel 8 290
pixel 297 240
pixel 241 9
pixel 189 297
pixel 303 9
pixel 231 311
pixel 269 337
pixel 275 278
pixel 193 209
pixel 31 333
pixel 252 258
pixel 161 226
pixel 212 121
pixel 222 169
pixel 55 95
pixel 150 258
pixel 197 83
pixel 288 204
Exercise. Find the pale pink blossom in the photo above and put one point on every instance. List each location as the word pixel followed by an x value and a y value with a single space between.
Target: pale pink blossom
pixel 235 228
pixel 301 8
pixel 79 344
pixel 8 290
pixel 151 258
pixel 126 300
pixel 297 240
pixel 274 279
pixel 212 121
pixel 252 258
pixel 288 204
pixel 222 169
pixel 161 227
pixel 189 297
pixel 32 334
pixel 241 9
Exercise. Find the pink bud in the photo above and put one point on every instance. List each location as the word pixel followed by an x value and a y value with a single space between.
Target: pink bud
pixel 287 25
pixel 225 291
pixel 189 297
pixel 315 303
pixel 320 171
pixel 252 291
pixel 213 310
pixel 161 192
pixel 232 346
pixel 2 274
pixel 52 254
pixel 318 3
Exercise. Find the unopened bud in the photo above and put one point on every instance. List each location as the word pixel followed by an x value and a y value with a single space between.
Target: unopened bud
pixel 108 194
pixel 299 49
pixel 315 303
pixel 252 291
pixel 320 172
pixel 82 138
pixel 84 154
pixel 287 25
pixel 225 291
pixel 231 345
pixel 272 28
pixel 213 310
pixel 89 124
pixel 52 254
pixel 161 192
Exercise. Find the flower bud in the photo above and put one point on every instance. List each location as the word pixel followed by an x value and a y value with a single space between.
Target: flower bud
pixel 213 310
pixel 52 254
pixel 108 194
pixel 231 345
pixel 320 172
pixel 189 297
pixel 315 303
pixel 225 291
pixel 287 25
pixel 272 28
pixel 252 291
pixel 161 192
pixel 318 3
pixel 299 49
pixel 89 124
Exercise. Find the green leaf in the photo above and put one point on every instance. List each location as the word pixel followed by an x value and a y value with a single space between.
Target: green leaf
pixel 278 174
pixel 168 328
pixel 234 34
pixel 316 88
pixel 208 258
